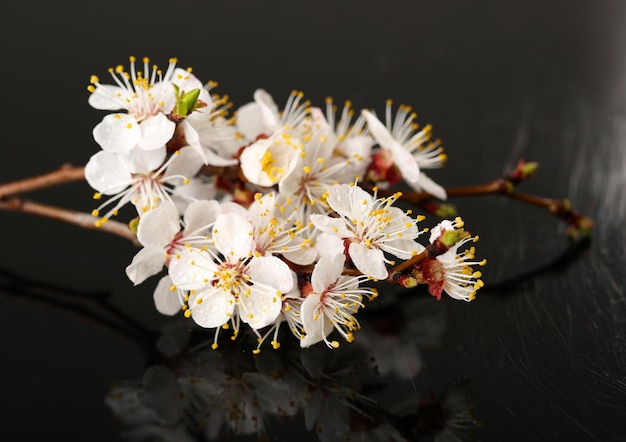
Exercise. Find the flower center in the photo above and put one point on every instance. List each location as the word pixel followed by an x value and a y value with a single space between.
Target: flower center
pixel 230 277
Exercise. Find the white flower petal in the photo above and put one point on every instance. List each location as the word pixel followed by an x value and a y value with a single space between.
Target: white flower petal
pixel 192 269
pixel 357 147
pixel 290 182
pixel 106 97
pixel 327 271
pixel 166 301
pixel 147 262
pixel 144 161
pixel 331 226
pixel 159 226
pixel 370 262
pixel 261 96
pixel 349 201
pixel 156 131
pixel 449 256
pixel 436 231
pixel 200 214
pixel 107 173
pixel 262 306
pixel 231 207
pixel 304 256
pixel 402 248
pixel 186 163
pixel 327 244
pixel 378 130
pixel 251 162
pixel 192 138
pixel 233 236
pixel 185 80
pixel 216 308
pixel 401 157
pixel 358 150
pixel 406 163
pixel 162 94
pixel 428 185
pixel 117 133
pixel 214 159
pixel 271 271
pixel 316 327
pixel 249 121
pixel 270 119
pixel 196 189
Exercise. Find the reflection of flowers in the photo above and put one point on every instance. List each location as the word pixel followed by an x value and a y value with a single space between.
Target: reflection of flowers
pixel 449 417
pixel 196 393
pixel 395 332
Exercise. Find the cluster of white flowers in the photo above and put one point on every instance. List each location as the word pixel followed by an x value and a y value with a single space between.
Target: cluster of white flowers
pixel 267 215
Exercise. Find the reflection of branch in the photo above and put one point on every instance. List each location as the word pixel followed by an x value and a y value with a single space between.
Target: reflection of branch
pixel 80 219
pixel 63 174
pixel 571 254
pixel 93 307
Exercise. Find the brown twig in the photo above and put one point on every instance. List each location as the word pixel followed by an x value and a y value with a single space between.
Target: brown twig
pixel 80 219
pixel 63 174
pixel 561 208
pixel 395 271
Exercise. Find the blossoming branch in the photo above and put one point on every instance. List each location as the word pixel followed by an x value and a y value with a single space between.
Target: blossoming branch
pixel 272 216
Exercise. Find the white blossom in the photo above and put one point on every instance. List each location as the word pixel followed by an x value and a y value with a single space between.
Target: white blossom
pixel 142 178
pixel 371 227
pixel 410 148
pixel 332 302
pixel 231 284
pixel 161 234
pixel 452 272
pixel 148 98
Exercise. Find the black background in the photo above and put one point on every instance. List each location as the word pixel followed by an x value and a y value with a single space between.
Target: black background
pixel 543 345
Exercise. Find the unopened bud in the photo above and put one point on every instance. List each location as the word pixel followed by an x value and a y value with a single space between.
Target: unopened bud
pixel 133 225
pixel 523 171
pixel 450 237
pixel 408 282
pixel 446 211
pixel 186 102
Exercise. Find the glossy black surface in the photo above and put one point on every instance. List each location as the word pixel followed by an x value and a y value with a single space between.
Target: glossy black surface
pixel 540 355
